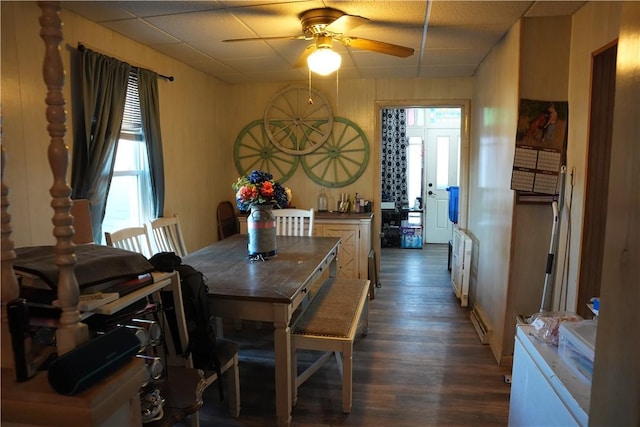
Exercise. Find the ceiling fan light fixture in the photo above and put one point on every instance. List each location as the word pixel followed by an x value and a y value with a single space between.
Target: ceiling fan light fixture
pixel 324 61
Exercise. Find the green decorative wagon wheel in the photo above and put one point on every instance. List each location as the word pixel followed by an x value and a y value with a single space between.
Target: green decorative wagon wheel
pixel 253 150
pixel 298 120
pixel 342 159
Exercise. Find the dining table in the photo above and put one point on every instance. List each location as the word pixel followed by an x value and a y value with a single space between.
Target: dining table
pixel 267 290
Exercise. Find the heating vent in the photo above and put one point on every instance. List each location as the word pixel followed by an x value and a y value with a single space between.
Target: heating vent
pixel 461 265
pixel 484 332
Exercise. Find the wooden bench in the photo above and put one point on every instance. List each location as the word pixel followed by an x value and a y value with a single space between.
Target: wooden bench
pixel 330 323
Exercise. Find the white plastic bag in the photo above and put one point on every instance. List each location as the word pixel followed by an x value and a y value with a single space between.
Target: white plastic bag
pixel 546 324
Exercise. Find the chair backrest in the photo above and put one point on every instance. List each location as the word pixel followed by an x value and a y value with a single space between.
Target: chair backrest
pixel 167 235
pixel 294 222
pixel 134 239
pixel 227 221
pixel 81 222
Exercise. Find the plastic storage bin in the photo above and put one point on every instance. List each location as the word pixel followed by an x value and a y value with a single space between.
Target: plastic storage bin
pixel 453 204
pixel 411 237
pixel 576 345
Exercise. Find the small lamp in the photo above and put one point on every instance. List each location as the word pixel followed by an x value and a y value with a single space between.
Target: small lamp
pixel 324 61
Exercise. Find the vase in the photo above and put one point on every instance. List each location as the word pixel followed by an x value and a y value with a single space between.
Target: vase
pixel 261 225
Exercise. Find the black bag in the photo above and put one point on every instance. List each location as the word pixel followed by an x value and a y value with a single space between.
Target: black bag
pixel 165 261
pixel 200 322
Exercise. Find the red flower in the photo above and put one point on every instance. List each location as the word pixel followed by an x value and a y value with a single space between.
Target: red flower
pixel 266 190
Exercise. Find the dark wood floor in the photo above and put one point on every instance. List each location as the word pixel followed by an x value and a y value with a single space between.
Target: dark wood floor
pixel 421 364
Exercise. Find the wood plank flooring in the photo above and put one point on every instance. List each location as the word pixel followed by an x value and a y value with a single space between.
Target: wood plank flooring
pixel 421 364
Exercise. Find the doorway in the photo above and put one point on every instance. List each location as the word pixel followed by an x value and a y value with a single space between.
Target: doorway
pixel 436 151
pixel 603 84
pixel 435 132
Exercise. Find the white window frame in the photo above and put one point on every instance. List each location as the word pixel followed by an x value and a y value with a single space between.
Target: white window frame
pixel 138 168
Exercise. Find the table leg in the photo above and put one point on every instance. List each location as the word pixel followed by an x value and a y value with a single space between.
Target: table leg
pixel 282 350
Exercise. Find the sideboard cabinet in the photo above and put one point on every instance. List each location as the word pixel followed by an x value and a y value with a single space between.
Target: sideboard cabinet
pixel 356 233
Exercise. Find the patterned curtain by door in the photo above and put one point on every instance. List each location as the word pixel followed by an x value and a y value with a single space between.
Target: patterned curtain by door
pixel 394 156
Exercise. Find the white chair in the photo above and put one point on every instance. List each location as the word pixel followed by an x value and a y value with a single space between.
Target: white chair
pixel 177 339
pixel 134 239
pixel 294 222
pixel 167 235
pixel 81 222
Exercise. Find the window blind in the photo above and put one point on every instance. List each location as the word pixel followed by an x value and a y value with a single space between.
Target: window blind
pixel 132 120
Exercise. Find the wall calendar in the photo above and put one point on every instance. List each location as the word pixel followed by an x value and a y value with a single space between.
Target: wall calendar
pixel 540 146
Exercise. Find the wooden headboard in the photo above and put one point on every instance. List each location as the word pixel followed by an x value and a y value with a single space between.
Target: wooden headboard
pixel 71 332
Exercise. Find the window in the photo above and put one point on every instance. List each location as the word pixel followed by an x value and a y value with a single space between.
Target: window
pixel 414 169
pixel 129 202
pixel 442 172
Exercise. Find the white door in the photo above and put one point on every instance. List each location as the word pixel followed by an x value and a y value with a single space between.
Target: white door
pixel 443 146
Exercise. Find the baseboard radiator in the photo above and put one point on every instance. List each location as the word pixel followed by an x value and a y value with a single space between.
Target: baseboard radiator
pixel 481 327
pixel 461 246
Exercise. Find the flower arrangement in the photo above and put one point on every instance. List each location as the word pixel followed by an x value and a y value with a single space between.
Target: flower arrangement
pixel 259 188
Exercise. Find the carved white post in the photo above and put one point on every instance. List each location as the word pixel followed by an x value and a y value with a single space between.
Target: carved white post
pixel 10 288
pixel 71 332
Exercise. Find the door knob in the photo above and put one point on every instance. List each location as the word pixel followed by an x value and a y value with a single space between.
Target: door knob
pixel 430 193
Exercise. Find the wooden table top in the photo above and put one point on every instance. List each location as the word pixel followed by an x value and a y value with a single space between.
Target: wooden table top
pixel 230 274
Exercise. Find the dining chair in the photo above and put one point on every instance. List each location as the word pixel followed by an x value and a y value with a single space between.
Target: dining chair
pixel 167 235
pixel 83 231
pixel 179 359
pixel 133 239
pixel 294 222
pixel 227 221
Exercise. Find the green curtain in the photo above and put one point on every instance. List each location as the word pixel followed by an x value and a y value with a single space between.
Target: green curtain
pixel 104 88
pixel 150 112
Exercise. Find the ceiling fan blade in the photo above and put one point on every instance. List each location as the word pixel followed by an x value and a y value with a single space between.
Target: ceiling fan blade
pixel 250 39
pixel 345 23
pixel 302 59
pixel 377 46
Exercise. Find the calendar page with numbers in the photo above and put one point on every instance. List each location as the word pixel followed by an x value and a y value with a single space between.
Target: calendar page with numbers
pixel 540 146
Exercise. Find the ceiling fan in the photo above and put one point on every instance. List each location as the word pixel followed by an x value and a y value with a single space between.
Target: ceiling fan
pixel 324 25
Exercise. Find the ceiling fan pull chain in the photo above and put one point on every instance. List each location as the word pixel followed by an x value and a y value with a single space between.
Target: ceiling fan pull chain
pixel 310 100
pixel 337 88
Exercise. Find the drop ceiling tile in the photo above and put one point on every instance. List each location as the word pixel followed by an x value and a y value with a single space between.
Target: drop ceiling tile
pixel 469 36
pixel 213 67
pixel 446 71
pixel 217 49
pixel 140 31
pixel 267 63
pixel 97 11
pixel 397 13
pixel 477 12
pixel 198 26
pixel 182 52
pixel 554 8
pixel 263 76
pixel 158 8
pixel 451 57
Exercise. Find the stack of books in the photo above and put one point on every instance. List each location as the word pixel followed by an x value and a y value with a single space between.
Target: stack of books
pixel 103 273
pixel 42 301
